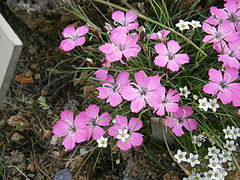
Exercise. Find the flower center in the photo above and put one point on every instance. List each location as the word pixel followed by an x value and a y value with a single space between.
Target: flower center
pixel 170 56
pixel 122 47
pixel 223 85
pixel 93 122
pixel 71 129
pixel 231 54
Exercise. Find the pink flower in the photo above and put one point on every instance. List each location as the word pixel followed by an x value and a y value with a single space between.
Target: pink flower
pixel 180 119
pixel 112 91
pixel 74 130
pixel 126 19
pixel 126 132
pixel 238 112
pixel 168 55
pixel 222 84
pixel 231 55
pixel 167 101
pixel 224 31
pixel 218 16
pixel 93 122
pixel 123 47
pixel 73 38
pixel 160 35
pixel 101 74
pixel 146 91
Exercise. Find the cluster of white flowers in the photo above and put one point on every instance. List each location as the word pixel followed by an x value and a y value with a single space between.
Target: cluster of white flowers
pixel 212 104
pixel 181 157
pixel 182 25
pixel 219 162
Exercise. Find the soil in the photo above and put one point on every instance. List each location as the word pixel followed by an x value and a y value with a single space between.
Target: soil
pixel 27 148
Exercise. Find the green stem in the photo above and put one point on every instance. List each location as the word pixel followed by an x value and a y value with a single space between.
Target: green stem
pixel 155 22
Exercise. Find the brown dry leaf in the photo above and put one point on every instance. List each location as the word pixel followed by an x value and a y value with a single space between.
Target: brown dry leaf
pixel 31 167
pixel 28 74
pixel 171 175
pixel 37 76
pixel 88 89
pixel 76 163
pixel 16 137
pixel 19 122
pixel 233 176
pixel 20 78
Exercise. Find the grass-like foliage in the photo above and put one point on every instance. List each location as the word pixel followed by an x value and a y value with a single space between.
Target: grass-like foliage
pixel 163 61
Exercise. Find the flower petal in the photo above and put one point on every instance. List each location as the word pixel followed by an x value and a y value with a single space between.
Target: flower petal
pixel 135 124
pixel 92 111
pixel 67 45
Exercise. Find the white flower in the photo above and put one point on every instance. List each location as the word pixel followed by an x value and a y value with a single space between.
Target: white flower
pixel 228 133
pixel 184 91
pixel 123 134
pixel 231 166
pixel 193 159
pixel 217 175
pixel 214 164
pixel 180 156
pixel 114 121
pixel 211 140
pixel 117 161
pixel 182 25
pixel 102 142
pixel 230 145
pixel 213 104
pixel 208 174
pixel 195 24
pixel 204 104
pixel 195 97
pixel 198 139
pixel 213 151
pixel 225 156
pixel 236 132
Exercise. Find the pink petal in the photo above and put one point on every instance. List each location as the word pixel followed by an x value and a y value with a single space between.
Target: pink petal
pixel 225 96
pixel 69 142
pixel 81 119
pixel 97 132
pixel 129 93
pixel 187 111
pixel 101 74
pixel 173 66
pixel 211 88
pixel 82 30
pixel 69 32
pixel 114 99
pixel 208 29
pixel 123 78
pixel 169 121
pixel 104 92
pixel 67 116
pixel 104 119
pixel 107 48
pixel 160 110
pixel 132 26
pixel 153 82
pixel 130 16
pixel 173 46
pixel 67 45
pixel 135 124
pixel 132 51
pixel 153 98
pixel 92 111
pixel 60 129
pixel 141 79
pixel 190 124
pixel 171 107
pixel 181 58
pixel 215 75
pixel 122 121
pixel 115 56
pixel 118 16
pixel 80 41
pixel 161 60
pixel 137 104
pixel 173 96
pixel 113 131
pixel 177 129
pixel 136 139
pixel 161 49
pixel 80 135
pixel 230 74
pixel 89 132
pixel 124 146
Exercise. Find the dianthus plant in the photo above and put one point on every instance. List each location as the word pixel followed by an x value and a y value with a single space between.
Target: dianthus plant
pixel 134 70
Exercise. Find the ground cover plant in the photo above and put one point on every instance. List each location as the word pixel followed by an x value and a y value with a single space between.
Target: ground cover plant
pixel 183 69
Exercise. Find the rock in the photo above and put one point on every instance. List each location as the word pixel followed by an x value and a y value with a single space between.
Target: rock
pixel 171 175
pixel 63 174
pixel 42 15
